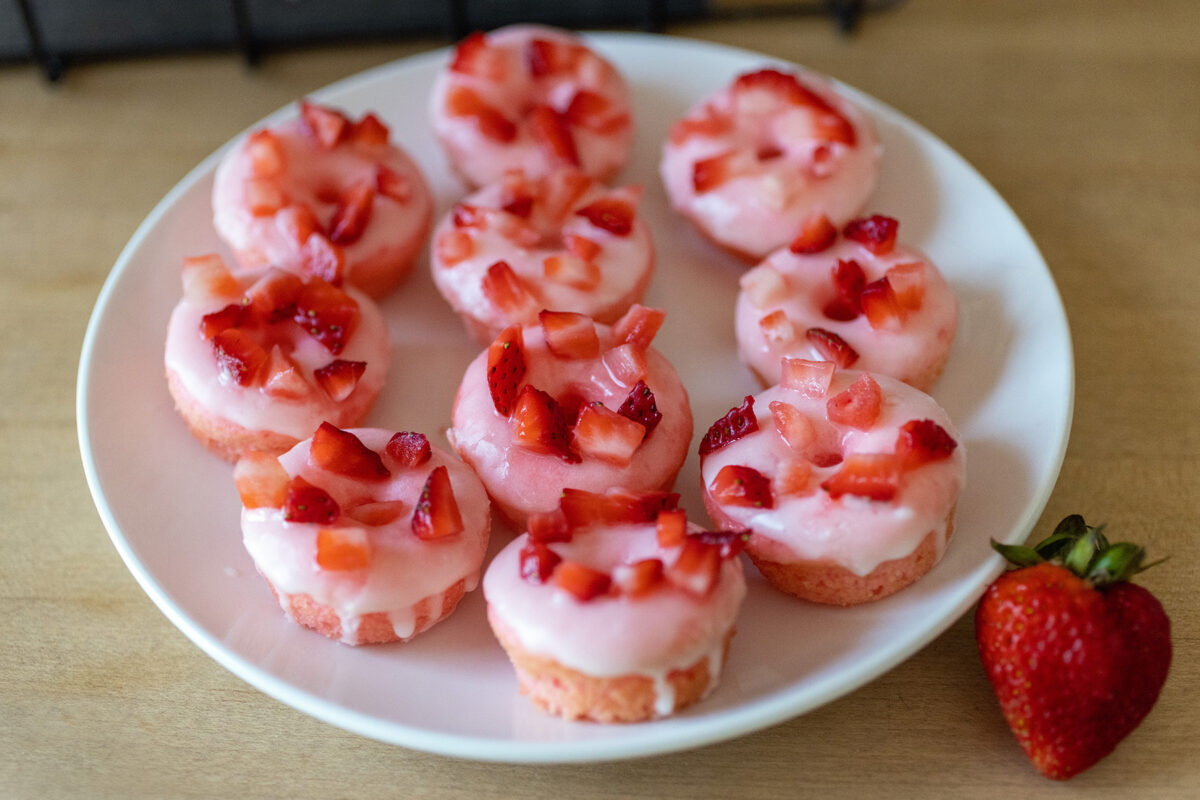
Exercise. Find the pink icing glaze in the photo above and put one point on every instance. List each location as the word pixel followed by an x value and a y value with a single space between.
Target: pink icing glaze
pixel 612 635
pixel 521 481
pixel 914 351
pixel 314 177
pixel 480 159
pixel 190 356
pixel 762 208
pixel 624 262
pixel 853 532
pixel 403 568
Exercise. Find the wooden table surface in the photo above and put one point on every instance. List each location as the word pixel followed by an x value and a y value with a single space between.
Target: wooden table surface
pixel 1083 115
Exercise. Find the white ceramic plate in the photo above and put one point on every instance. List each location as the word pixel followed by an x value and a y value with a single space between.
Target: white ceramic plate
pixel 172 511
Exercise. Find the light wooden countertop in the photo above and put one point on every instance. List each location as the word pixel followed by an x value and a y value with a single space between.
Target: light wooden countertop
pixel 1083 115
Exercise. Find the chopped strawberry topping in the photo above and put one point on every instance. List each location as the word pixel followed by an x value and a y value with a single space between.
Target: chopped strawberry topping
pixel 626 364
pixel 264 197
pixel 342 549
pixel 207 278
pixel 670 528
pixel 546 57
pixel 239 356
pixel 571 271
pixel 697 568
pixel 266 154
pixel 908 284
pixel 326 125
pixel 795 428
pixel 539 425
pixel 857 405
pixel 830 126
pixel 569 335
pixel 792 477
pixel 832 347
pixel 638 326
pixel 273 296
pixel 764 285
pixel 777 327
pixel 710 124
pixel 234 315
pixel 604 434
pixel 709 173
pixel 611 214
pixel 464 102
pixel 297 223
pixel 322 258
pixel 739 485
pixel 783 84
pixel 520 205
pixel 436 514
pixel 454 247
pixel 550 526
pixel 880 305
pixel 614 507
pixel 304 502
pixel 875 476
pixel 738 422
pixel 409 449
pixel 538 562
pixel 581 581
pixel 922 441
pixel 552 133
pixel 817 234
pixel 261 480
pixel 352 214
pixel 810 378
pixel 370 131
pixel 507 290
pixel 382 512
pixel 560 191
pixel 848 282
pixel 283 377
pixel 588 108
pixel 581 246
pixel 639 406
pixel 392 184
pixel 506 369
pixel 327 313
pixel 472 57
pixel 638 578
pixel 339 378
pixel 342 452
pixel 877 233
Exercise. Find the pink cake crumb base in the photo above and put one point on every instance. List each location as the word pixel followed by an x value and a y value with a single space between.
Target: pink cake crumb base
pixel 374 628
pixel 573 695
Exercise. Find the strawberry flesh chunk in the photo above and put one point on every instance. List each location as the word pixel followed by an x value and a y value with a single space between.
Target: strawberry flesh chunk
pixel 569 335
pixel 670 528
pixel 304 502
pixel 638 326
pixel 921 441
pixel 848 282
pixel 322 258
pixel 638 578
pixel 581 581
pixel 343 549
pixel 506 369
pixel 238 356
pixel 342 452
pixel 327 313
pixel 875 476
pixel 507 290
pixel 877 233
pixel 436 515
pixel 639 406
pixel 550 526
pixel 273 296
pixel 539 425
pixel 538 562
pixel 614 507
pixel 604 434
pixel 739 485
pixel 738 422
pixel 464 102
pixel 857 405
pixel 552 133
pixel 352 214
pixel 382 512
pixel 234 315
pixel 697 567
pixel 339 378
pixel 325 125
pixel 261 480
pixel 832 347
pixel 880 305
pixel 810 378
pixel 409 449
pixel 817 234
pixel 611 214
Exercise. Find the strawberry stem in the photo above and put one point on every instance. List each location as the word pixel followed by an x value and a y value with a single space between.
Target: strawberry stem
pixel 1084 550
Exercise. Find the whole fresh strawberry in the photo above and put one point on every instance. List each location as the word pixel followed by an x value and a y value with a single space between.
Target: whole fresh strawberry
pixel 1075 653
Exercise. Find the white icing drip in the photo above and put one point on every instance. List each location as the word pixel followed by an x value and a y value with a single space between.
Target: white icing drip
pixel 404 622
pixel 350 626
pixel 664 693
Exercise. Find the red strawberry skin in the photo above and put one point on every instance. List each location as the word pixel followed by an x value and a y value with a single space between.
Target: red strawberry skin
pixel 1075 668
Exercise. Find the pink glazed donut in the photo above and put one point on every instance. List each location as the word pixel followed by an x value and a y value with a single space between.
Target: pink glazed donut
pixel 257 361
pixel 531 98
pixel 363 535
pixel 570 403
pixel 613 608
pixel 562 241
pixel 859 300
pixel 847 482
pixel 324 195
pixel 753 161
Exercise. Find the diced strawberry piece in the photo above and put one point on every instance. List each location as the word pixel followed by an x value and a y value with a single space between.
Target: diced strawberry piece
pixel 207 278
pixel 571 271
pixel 539 425
pixel 857 405
pixel 640 407
pixel 817 234
pixel 550 526
pixel 877 233
pixel 264 197
pixel 810 378
pixel 472 57
pixel 343 549
pixel 611 214
pixel 738 422
pixel 273 296
pixel 283 378
pixel 626 364
pixel 392 184
pixel 711 124
pixel 265 153
pixel 588 109
pixel 297 223
pixel 234 315
pixel 880 306
pixel 547 57
pixel 764 285
pixel 738 485
pixel 238 356
pixel 795 428
pixel 831 347
pixel 326 125
pixel 638 326
pixel 776 327
pixel 830 126
pixel 571 402
pixel 670 528
pixel 261 480
pixel 848 282
pixel 823 460
pixel 352 214
pixel 604 434
pixel 463 102
pixel 697 568
pixel 552 133
pixel 908 284
pixel 709 173
pixel 304 502
pixel 322 258
pixel 614 507
pixel 453 247
pixel 538 562
pixel 520 205
pixel 506 369
pixel 638 578
pixel 327 314
pixel 581 246
pixel 344 453
pixel 559 192
pixel 921 441
pixel 768 153
pixel 875 476
pixel 569 335
pixel 581 581
pixel 374 514
pixel 370 131
pixel 469 216
pixel 436 514
pixel 339 378
pixel 782 84
pixel 792 477
pixel 508 291
pixel 409 449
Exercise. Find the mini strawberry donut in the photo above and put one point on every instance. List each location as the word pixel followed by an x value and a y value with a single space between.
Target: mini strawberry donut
pixel 752 162
pixel 614 608
pixel 567 402
pixel 859 300
pixel 562 241
pixel 257 361
pixel 324 195
pixel 366 536
pixel 846 480
pixel 532 98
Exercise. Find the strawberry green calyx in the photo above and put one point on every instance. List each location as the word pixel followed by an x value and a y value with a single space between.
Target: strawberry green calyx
pixel 1084 550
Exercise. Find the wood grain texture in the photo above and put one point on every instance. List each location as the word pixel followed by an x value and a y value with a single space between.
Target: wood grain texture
pixel 1082 114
